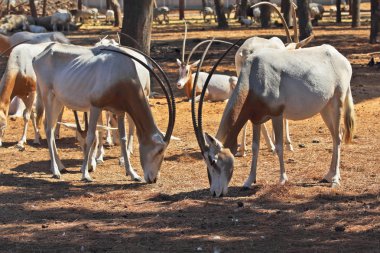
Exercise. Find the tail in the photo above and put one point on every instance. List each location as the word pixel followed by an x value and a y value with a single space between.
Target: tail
pixel 349 117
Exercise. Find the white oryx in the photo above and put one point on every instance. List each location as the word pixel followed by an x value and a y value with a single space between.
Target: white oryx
pixel 220 87
pixel 61 17
pixel 19 80
pixel 297 85
pixel 93 79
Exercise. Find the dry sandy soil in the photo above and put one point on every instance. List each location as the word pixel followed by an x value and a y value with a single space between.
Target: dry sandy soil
pixel 177 214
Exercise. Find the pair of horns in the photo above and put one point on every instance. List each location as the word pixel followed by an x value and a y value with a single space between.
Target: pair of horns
pixel 166 88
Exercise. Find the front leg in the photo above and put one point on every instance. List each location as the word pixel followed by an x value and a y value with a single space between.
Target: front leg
pixel 255 156
pixel 288 142
pixel 278 132
pixel 28 101
pixel 123 140
pixel 267 138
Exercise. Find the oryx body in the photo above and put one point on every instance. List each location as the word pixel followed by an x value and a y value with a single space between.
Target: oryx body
pixel 93 79
pixel 297 85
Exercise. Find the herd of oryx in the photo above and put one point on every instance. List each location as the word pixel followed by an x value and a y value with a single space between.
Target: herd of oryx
pixel 275 81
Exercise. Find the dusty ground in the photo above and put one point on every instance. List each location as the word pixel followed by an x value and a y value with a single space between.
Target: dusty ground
pixel 177 214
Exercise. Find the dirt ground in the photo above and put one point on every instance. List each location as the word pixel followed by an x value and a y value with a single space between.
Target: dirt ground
pixel 177 214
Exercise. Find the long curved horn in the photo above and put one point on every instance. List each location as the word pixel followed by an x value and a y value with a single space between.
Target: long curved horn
pixel 293 8
pixel 198 134
pixel 169 95
pixel 79 128
pixel 184 42
pixel 200 106
pixel 172 106
pixel 203 42
pixel 288 37
pixel 131 38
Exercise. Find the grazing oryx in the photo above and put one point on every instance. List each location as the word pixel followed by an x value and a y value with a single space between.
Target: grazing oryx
pixel 164 11
pixel 298 85
pixel 93 79
pixel 19 80
pixel 110 16
pixel 208 11
pixel 61 17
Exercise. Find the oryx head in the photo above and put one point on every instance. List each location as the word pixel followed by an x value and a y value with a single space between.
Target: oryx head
pixel 220 164
pixel 219 160
pixel 151 157
pixel 184 72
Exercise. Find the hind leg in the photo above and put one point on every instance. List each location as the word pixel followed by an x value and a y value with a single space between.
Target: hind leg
pixel 28 101
pixel 331 115
pixel 241 151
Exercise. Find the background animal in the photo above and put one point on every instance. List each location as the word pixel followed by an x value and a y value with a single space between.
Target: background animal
pixel 161 11
pixel 62 18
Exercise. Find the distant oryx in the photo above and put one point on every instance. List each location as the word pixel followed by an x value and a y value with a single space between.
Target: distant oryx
pixel 93 79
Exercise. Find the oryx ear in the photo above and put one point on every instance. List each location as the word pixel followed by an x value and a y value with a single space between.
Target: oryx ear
pixel 179 63
pixel 212 141
pixel 304 42
pixel 195 63
pixel 68 125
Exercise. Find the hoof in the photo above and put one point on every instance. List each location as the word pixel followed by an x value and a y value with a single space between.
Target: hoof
pixel 37 142
pixel 335 185
pixel 64 170
pixel 87 179
pixel 240 154
pixel 20 147
pixel 99 161
pixel 57 176
pixel 137 179
pixel 289 147
pixel 245 188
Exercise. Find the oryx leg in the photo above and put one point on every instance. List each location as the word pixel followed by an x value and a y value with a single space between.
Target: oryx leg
pixel 131 131
pixel 53 108
pixel 278 132
pixel 331 115
pixel 288 142
pixel 37 135
pixel 90 145
pixel 28 101
pixel 241 151
pixel 58 127
pixel 128 167
pixel 267 138
pixel 255 156
pixel 100 149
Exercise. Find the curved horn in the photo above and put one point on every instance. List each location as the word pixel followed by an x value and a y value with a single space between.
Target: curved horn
pixel 200 106
pixel 169 95
pixel 184 42
pixel 293 8
pixel 198 134
pixel 288 37
pixel 79 128
pixel 203 42
pixel 131 38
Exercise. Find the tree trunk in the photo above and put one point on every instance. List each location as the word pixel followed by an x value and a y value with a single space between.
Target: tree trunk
pixel 265 11
pixel 137 23
pixel 79 4
pixel 220 14
pixel 338 11
pixel 33 10
pixel 243 8
pixel 108 4
pixel 181 9
pixel 285 9
pixel 355 13
pixel 44 4
pixel 8 6
pixel 117 11
pixel 375 21
pixel 305 26
pixel 204 4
